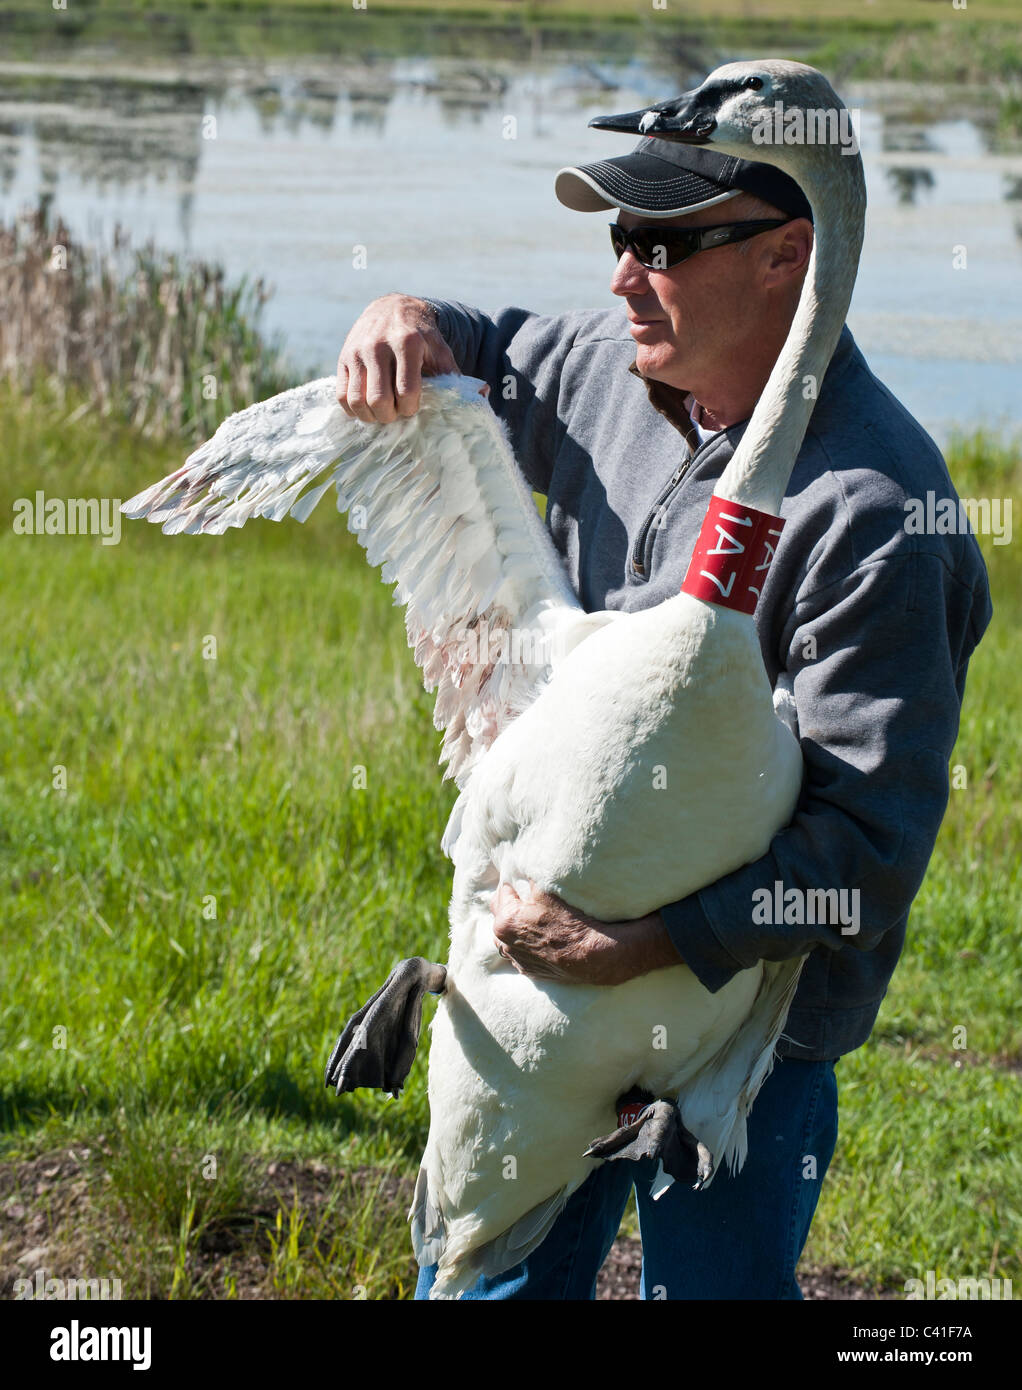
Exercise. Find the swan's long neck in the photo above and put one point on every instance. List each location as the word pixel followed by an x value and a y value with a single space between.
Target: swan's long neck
pixel 760 468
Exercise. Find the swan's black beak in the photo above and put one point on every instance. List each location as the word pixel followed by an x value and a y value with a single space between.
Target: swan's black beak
pixel 689 119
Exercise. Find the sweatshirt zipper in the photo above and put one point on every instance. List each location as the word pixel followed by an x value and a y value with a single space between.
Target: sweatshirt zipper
pixel 638 551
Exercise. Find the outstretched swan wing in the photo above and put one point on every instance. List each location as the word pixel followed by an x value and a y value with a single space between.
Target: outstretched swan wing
pixel 438 501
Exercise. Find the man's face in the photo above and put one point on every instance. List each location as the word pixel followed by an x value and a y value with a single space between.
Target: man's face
pixel 690 321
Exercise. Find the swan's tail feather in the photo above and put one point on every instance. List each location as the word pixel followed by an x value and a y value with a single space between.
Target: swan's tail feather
pixel 429 1234
pixel 715 1105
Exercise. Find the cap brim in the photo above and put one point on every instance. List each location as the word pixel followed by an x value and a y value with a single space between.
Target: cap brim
pixel 637 183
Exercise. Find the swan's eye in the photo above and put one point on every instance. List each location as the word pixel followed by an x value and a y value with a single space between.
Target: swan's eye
pixel 753 83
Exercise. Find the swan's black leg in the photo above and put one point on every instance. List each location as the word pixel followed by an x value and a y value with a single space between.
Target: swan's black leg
pixel 656 1132
pixel 378 1044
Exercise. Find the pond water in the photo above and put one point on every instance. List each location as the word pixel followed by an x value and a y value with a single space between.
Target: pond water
pixel 281 169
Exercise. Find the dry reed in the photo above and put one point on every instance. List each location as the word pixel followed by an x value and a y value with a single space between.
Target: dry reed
pixel 163 343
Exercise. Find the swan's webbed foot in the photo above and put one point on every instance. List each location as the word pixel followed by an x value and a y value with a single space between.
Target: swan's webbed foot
pixel 656 1132
pixel 378 1044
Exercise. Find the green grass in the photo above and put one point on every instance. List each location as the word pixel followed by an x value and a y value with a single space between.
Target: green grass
pixel 952 48
pixel 892 11
pixel 188 778
pixel 190 1035
pixel 925 40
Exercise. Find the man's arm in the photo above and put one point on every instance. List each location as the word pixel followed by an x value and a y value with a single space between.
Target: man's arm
pixel 399 339
pixel 545 938
pixel 393 343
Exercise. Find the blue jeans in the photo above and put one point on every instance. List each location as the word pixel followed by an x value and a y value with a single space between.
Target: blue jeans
pixel 740 1238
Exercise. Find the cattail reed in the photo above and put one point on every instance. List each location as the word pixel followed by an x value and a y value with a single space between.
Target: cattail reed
pixel 144 336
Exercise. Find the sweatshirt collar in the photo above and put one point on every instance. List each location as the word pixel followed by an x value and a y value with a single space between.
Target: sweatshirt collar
pixel 669 401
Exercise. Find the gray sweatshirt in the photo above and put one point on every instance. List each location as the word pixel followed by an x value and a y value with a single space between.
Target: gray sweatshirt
pixel 873 625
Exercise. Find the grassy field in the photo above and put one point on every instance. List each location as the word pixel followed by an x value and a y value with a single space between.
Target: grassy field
pixel 921 40
pixel 213 893
pixel 861 12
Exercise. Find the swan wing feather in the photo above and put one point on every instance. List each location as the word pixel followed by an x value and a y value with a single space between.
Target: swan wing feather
pixel 437 501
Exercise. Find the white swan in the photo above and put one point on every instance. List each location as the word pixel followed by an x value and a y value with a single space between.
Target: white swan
pixel 555 747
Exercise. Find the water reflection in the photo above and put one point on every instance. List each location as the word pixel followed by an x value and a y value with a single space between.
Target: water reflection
pixel 469 87
pixel 109 134
pixel 906 183
pixel 904 137
pixel 119 132
pixel 368 114
pixel 307 158
pixel 10 148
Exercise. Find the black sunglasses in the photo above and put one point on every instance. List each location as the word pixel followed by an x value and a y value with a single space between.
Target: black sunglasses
pixel 659 248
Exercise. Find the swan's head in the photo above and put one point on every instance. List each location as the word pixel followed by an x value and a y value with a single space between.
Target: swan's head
pixel 771 111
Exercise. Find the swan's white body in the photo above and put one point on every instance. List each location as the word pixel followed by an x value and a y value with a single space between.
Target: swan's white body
pixel 571 797
pixel 620 762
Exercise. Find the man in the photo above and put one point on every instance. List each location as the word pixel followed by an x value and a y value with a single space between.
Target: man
pixel 625 420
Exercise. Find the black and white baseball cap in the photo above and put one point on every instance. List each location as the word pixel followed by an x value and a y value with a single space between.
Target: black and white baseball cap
pixel 662 178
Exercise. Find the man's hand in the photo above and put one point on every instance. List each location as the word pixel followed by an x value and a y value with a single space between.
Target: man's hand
pixel 546 939
pixel 391 347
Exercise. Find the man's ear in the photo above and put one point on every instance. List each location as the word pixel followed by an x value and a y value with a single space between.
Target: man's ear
pixel 789 252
